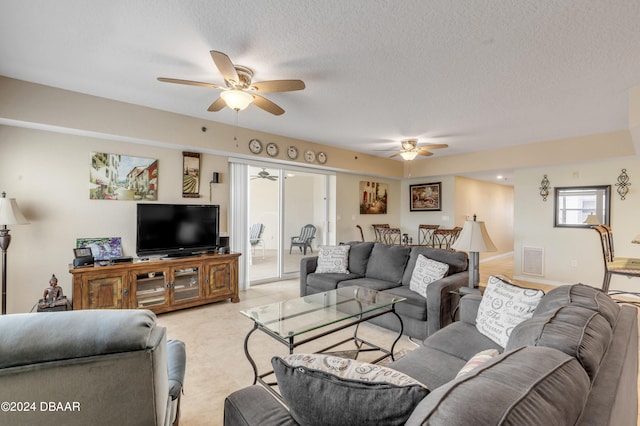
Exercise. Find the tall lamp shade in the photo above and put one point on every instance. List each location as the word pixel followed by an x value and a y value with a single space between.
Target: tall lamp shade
pixel 474 239
pixel 10 214
pixel 591 219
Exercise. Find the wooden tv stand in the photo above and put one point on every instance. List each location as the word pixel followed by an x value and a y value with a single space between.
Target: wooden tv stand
pixel 158 285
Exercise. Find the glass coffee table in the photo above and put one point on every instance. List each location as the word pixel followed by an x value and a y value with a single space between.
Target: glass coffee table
pixel 291 322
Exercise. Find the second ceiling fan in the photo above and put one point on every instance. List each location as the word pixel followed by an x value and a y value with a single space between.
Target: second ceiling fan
pixel 239 90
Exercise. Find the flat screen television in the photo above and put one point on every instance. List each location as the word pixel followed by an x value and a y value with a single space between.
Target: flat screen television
pixel 176 230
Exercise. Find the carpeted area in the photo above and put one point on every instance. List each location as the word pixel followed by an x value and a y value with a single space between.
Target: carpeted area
pixel 216 362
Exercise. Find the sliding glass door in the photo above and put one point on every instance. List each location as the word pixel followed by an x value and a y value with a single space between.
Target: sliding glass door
pixel 291 207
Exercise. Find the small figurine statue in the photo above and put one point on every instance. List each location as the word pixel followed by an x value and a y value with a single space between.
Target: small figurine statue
pixel 52 293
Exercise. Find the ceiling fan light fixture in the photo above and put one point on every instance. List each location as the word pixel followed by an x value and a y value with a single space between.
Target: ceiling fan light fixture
pixel 236 99
pixel 409 155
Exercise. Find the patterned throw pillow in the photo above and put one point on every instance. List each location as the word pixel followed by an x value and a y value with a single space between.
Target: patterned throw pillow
pixel 312 386
pixel 477 360
pixel 503 306
pixel 425 272
pixel 333 259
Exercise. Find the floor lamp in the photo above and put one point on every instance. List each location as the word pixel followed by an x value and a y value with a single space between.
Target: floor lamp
pixel 474 239
pixel 10 214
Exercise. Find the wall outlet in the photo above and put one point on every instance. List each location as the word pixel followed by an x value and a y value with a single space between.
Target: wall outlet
pixel 574 263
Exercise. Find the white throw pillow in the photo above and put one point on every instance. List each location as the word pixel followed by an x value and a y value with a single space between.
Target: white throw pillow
pixel 503 306
pixel 425 272
pixel 333 259
pixel 477 360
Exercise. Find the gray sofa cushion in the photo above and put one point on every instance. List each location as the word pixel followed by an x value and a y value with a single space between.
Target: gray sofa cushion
pixel 316 397
pixel 444 353
pixel 177 364
pixel 415 305
pixel 457 260
pixel 359 257
pixel 461 340
pixel 326 282
pixel 388 263
pixel 574 330
pixel 371 283
pixel 579 295
pixel 528 386
pixel 25 342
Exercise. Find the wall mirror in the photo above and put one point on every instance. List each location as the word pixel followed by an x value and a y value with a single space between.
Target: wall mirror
pixel 581 206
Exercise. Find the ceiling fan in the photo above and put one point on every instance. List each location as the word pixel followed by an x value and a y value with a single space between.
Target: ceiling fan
pixel 411 150
pixel 239 91
pixel 264 175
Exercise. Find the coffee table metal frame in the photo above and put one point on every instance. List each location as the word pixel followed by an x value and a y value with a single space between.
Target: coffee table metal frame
pixel 341 308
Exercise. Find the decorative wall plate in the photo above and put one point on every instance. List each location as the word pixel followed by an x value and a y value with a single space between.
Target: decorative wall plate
pixel 309 156
pixel 292 152
pixel 272 149
pixel 322 157
pixel 255 146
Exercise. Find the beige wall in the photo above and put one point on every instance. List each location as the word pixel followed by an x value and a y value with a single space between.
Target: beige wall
pixel 493 204
pixel 47 171
pixel 348 207
pixel 574 255
pixel 28 103
pixel 48 174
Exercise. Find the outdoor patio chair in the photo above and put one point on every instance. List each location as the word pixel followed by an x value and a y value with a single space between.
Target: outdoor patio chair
pixel 303 241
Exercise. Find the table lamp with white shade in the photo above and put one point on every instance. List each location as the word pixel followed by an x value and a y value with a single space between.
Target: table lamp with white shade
pixel 474 239
pixel 10 214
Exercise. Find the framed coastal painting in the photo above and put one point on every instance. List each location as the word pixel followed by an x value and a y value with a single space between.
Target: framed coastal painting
pixel 373 197
pixel 122 177
pixel 425 197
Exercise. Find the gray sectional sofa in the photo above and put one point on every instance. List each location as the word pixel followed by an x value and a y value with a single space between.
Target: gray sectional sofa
pixel 389 268
pixel 574 362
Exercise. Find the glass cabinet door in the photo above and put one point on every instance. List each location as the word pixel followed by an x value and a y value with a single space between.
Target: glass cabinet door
pixel 186 284
pixel 151 288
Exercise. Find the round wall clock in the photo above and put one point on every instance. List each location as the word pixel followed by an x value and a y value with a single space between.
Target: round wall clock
pixel 272 149
pixel 322 157
pixel 255 146
pixel 309 156
pixel 292 152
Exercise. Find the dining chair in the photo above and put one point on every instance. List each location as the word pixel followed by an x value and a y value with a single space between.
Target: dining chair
pixel 391 236
pixel 378 231
pixel 625 266
pixel 444 238
pixel 425 234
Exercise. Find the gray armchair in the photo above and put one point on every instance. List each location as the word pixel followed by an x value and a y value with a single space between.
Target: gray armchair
pixel 97 367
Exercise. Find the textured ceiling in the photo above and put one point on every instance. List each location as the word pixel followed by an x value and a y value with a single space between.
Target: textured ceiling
pixel 475 74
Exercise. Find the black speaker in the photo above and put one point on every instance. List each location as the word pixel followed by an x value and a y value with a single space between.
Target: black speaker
pixel 215 178
pixel 83 261
pixel 224 241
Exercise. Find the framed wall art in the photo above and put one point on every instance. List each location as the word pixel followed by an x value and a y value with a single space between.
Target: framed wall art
pixel 425 197
pixel 190 175
pixel 373 197
pixel 121 177
pixel 103 248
